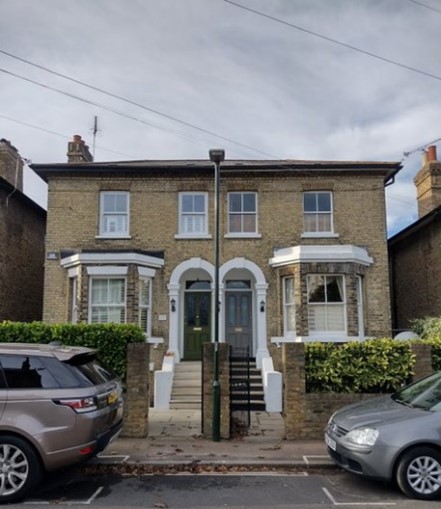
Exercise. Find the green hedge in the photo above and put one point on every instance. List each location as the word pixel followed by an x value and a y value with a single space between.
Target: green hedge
pixel 109 339
pixel 372 366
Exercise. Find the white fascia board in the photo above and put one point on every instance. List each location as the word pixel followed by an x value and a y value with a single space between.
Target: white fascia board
pixel 107 270
pixel 112 258
pixel 146 272
pixel 324 254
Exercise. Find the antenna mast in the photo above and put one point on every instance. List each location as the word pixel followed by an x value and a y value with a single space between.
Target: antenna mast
pixel 95 130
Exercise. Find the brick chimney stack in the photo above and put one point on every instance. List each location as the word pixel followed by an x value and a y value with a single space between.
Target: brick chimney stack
pixel 428 182
pixel 78 151
pixel 11 164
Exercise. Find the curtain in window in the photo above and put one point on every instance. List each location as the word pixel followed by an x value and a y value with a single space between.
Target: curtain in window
pixel 326 306
pixel 114 212
pixel 193 213
pixel 289 306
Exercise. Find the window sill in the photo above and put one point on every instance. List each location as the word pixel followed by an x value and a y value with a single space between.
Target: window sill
pixel 326 337
pixel 285 339
pixel 243 236
pixel 322 338
pixel 153 340
pixel 320 235
pixel 112 237
pixel 189 236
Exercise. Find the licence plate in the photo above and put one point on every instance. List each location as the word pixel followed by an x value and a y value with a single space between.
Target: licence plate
pixel 112 397
pixel 330 442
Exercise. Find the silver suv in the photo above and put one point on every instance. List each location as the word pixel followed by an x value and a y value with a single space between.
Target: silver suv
pixel 58 406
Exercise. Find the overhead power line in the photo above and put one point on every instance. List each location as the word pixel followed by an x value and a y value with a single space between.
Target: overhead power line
pixel 420 147
pixel 426 6
pixel 54 133
pixel 127 100
pixel 335 41
pixel 107 108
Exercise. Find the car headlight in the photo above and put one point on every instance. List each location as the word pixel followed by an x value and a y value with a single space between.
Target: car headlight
pixel 363 436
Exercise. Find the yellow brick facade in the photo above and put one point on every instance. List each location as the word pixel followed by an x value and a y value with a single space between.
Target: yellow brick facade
pixel 359 220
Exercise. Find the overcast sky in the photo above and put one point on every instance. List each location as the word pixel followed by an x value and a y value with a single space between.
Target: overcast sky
pixel 273 86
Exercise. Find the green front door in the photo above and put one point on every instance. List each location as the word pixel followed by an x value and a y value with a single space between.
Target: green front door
pixel 197 329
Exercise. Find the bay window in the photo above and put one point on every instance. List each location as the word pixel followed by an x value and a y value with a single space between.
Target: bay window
pixel 289 312
pixel 326 304
pixel 107 300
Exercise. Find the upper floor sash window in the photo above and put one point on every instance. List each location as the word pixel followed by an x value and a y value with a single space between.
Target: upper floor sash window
pixel 193 214
pixel 114 213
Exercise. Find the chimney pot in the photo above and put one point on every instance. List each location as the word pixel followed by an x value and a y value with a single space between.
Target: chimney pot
pixel 78 151
pixel 431 153
pixel 424 157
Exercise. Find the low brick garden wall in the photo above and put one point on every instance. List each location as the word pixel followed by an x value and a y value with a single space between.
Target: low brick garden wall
pixel 306 414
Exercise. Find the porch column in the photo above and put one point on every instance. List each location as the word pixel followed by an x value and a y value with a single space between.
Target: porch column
pixel 262 347
pixel 173 330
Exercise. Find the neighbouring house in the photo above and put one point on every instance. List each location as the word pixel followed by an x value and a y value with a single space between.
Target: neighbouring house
pixel 303 249
pixel 415 252
pixel 22 231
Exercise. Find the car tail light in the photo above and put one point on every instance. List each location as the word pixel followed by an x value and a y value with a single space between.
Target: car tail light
pixel 80 405
pixel 86 450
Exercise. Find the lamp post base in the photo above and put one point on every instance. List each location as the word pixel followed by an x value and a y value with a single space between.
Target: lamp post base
pixel 216 411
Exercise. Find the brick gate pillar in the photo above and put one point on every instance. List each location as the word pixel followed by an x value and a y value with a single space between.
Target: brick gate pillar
pixel 137 397
pixel 293 364
pixel 423 360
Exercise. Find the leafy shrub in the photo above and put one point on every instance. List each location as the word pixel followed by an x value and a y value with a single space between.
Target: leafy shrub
pixel 109 339
pixel 427 328
pixel 378 365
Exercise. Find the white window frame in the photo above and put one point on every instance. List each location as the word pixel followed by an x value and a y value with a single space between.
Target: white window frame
pixel 74 296
pixel 327 305
pixel 242 213
pixel 317 213
pixel 148 307
pixel 74 273
pixel 103 214
pixel 360 306
pixel 108 304
pixel 287 332
pixel 185 234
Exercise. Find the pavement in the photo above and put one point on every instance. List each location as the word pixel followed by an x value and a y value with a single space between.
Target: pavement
pixel 175 443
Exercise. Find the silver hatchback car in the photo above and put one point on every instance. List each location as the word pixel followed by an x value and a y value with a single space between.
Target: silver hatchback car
pixel 58 406
pixel 396 437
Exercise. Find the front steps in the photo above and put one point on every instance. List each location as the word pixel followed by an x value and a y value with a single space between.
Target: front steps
pixel 242 379
pixel 187 386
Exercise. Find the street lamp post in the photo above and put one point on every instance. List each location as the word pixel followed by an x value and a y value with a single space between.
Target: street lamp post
pixel 216 156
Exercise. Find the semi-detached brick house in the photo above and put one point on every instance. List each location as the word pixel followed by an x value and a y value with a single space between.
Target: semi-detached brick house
pixel 22 228
pixel 303 253
pixel 415 259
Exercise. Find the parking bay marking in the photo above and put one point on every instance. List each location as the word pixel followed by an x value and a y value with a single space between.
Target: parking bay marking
pixel 334 502
pixel 114 458
pixel 68 502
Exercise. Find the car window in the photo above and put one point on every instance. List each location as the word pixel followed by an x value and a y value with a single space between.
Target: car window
pixel 26 372
pixel 425 394
pixel 66 376
pixel 91 370
pixel 96 373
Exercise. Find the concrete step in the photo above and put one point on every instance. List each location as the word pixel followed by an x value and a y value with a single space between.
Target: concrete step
pixel 187 405
pixel 187 386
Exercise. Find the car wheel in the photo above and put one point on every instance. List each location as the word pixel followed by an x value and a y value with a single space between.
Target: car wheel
pixel 419 473
pixel 20 468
